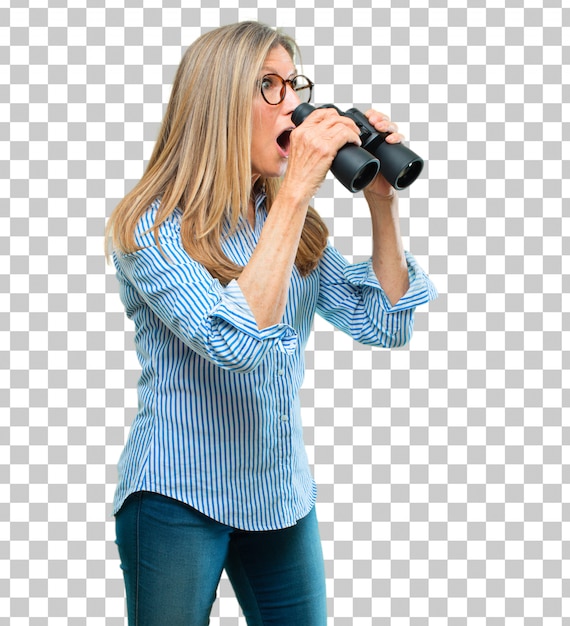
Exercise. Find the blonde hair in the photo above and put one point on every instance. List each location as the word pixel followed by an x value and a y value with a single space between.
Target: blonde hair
pixel 201 162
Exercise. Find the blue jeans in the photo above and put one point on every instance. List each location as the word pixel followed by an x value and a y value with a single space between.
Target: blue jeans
pixel 172 557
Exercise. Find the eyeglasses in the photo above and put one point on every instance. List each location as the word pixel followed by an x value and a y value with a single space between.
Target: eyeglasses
pixel 274 88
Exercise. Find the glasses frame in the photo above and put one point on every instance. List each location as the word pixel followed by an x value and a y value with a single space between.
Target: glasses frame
pixel 284 83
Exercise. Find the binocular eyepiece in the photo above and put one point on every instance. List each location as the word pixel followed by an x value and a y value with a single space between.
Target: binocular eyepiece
pixel 356 167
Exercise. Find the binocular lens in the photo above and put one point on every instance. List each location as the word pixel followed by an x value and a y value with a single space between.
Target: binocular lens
pixel 398 164
pixel 407 176
pixel 365 177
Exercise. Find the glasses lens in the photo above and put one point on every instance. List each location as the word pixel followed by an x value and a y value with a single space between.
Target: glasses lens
pixel 272 88
pixel 303 87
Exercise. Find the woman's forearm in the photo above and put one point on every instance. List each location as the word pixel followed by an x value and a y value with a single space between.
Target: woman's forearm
pixel 266 278
pixel 388 258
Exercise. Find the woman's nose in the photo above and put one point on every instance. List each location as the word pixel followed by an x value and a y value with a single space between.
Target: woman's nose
pixel 291 99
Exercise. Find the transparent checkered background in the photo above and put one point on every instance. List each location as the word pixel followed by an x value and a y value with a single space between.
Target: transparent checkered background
pixel 443 467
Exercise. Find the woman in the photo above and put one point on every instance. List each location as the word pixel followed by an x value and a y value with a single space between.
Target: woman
pixel 222 265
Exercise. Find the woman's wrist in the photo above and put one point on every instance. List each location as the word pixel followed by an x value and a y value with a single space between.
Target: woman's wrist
pixel 374 196
pixel 293 197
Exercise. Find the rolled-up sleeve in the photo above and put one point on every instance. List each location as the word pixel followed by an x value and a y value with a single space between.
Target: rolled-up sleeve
pixel 212 319
pixel 352 299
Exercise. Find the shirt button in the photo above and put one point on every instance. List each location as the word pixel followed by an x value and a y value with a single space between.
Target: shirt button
pixel 284 418
pixel 280 372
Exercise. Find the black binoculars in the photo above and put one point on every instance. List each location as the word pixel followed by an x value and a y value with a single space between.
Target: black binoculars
pixel 356 167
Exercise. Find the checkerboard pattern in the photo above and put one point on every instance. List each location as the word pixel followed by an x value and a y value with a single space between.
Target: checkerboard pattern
pixel 443 467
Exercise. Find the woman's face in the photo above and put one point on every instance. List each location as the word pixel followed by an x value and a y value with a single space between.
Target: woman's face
pixel 270 122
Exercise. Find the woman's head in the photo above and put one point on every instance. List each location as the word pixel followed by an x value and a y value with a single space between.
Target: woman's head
pixel 212 100
pixel 206 152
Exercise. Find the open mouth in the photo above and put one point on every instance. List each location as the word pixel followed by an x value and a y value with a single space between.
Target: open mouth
pixel 283 141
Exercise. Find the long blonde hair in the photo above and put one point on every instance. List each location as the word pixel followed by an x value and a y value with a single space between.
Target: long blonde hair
pixel 201 162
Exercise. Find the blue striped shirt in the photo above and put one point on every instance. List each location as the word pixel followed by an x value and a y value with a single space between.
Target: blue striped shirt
pixel 218 423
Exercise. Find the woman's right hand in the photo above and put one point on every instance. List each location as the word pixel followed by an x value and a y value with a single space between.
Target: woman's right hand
pixel 265 280
pixel 314 144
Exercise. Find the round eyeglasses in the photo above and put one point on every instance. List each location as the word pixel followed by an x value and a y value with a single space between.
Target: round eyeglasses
pixel 274 88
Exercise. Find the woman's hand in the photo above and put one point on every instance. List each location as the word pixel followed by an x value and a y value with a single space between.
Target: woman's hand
pixel 266 278
pixel 314 144
pixel 381 122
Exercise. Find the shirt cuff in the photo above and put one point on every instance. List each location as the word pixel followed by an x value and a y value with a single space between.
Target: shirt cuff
pixel 234 310
pixel 420 291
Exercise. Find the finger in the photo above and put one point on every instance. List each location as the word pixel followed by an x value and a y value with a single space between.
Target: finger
pixel 328 117
pixel 394 138
pixel 319 116
pixel 381 122
pixel 341 134
pixel 345 129
pixel 375 117
pixel 329 127
pixel 386 126
pixel 328 141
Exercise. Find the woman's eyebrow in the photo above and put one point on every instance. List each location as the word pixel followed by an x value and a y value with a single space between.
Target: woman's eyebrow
pixel 272 70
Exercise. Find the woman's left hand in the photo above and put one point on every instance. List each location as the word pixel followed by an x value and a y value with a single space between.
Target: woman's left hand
pixel 382 123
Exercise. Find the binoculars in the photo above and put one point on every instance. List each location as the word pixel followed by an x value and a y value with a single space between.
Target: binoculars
pixel 356 166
